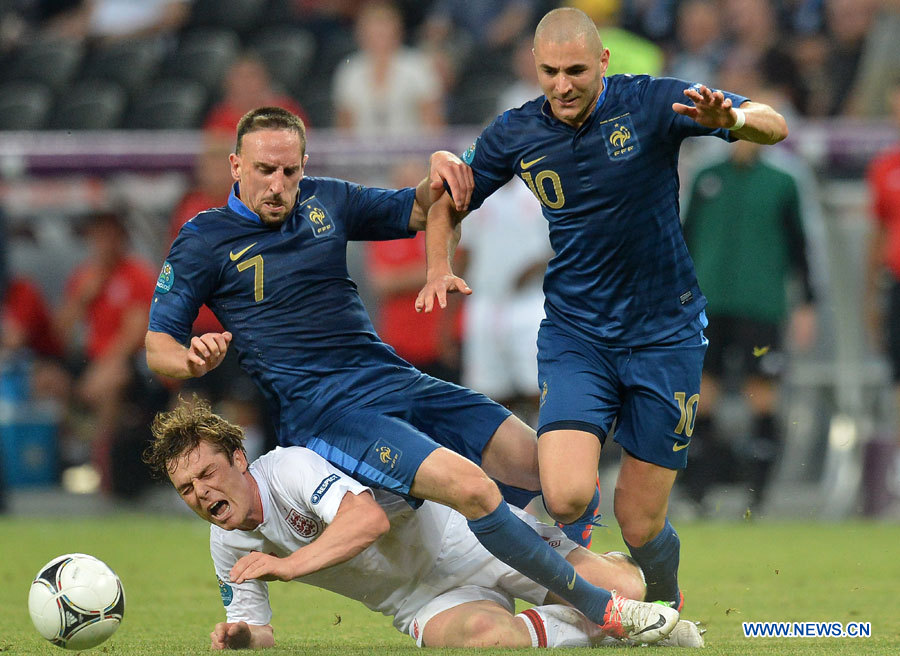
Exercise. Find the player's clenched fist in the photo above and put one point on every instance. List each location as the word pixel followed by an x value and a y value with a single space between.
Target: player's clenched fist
pixel 207 352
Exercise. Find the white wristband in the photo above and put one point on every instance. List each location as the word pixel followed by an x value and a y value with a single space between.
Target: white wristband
pixel 740 120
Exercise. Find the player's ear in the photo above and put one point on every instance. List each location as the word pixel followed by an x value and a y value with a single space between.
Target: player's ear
pixel 239 457
pixel 235 161
pixel 305 160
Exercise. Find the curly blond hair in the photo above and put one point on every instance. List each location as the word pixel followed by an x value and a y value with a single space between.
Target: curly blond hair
pixel 183 428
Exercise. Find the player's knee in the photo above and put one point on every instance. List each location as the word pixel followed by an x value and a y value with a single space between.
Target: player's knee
pixel 566 508
pixel 638 531
pixel 628 579
pixel 484 630
pixel 477 496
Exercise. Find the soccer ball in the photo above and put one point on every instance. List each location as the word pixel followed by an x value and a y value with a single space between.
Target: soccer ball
pixel 76 601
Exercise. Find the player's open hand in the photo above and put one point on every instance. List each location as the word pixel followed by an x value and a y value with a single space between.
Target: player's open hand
pixel 227 635
pixel 207 352
pixel 258 565
pixel 447 167
pixel 439 288
pixel 711 109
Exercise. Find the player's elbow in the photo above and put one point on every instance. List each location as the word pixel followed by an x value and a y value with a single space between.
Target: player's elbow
pixel 378 524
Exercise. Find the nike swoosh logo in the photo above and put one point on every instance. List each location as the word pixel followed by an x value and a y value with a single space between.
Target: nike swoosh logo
pixel 679 447
pixel 236 256
pixel 659 624
pixel 571 584
pixel 527 165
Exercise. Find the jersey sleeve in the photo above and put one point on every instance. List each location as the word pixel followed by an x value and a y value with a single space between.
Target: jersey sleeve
pixel 489 160
pixel 662 92
pixel 313 484
pixel 375 214
pixel 186 281
pixel 244 602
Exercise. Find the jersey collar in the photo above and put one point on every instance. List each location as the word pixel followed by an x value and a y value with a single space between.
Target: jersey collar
pixel 236 205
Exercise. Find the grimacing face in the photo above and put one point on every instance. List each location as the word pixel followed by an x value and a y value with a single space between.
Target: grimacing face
pixel 221 492
pixel 571 77
pixel 268 171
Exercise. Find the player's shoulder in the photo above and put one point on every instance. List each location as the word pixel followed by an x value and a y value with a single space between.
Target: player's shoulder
pixel 525 113
pixel 288 459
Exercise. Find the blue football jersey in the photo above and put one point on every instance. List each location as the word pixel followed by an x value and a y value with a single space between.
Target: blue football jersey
pixel 621 274
pixel 300 328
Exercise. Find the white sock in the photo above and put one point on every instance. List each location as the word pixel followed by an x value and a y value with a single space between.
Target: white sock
pixel 559 626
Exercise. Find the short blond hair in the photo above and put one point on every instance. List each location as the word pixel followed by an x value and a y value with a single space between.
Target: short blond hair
pixel 183 428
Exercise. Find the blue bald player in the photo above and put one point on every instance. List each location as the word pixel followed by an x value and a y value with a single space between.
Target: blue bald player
pixel 623 335
pixel 272 266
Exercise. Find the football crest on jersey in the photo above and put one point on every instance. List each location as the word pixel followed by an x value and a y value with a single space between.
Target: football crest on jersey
pixel 166 278
pixel 620 138
pixel 305 526
pixel 317 218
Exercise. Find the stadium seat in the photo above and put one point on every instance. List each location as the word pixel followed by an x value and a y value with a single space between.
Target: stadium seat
pixel 89 105
pixel 168 104
pixel 24 105
pixel 238 15
pixel 53 63
pixel 203 55
pixel 287 52
pixel 129 64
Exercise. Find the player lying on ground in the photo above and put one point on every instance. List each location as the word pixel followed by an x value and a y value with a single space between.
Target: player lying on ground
pixel 293 516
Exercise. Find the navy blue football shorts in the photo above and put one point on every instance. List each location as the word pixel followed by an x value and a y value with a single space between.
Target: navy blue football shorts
pixel 382 443
pixel 652 392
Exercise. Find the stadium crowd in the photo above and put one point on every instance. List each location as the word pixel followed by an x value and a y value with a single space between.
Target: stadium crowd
pixel 362 68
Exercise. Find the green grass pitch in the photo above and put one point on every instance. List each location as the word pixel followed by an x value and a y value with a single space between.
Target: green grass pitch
pixel 731 573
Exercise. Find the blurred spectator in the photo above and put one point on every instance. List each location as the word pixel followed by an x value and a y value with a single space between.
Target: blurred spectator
pixel 525 87
pixel 112 20
pixel 698 45
pixel 247 85
pixel 31 371
pixel 479 33
pixel 883 273
pixel 504 313
pixel 801 17
pixel 396 269
pixel 744 227
pixel 880 62
pixel 386 88
pixel 106 299
pixel 756 40
pixel 629 51
pixel 651 19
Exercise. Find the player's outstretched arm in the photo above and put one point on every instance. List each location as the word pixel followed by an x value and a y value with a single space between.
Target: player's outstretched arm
pixel 442 233
pixel 358 523
pixel 761 123
pixel 167 357
pixel 240 635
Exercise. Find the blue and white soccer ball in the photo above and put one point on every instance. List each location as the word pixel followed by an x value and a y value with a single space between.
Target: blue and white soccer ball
pixel 76 601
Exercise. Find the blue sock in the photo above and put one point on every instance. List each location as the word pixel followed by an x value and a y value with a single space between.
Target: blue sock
pixel 581 529
pixel 516 496
pixel 659 559
pixel 515 543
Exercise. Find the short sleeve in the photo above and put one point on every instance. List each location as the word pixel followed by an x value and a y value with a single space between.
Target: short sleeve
pixel 244 602
pixel 489 161
pixel 662 92
pixel 312 483
pixel 187 279
pixel 376 214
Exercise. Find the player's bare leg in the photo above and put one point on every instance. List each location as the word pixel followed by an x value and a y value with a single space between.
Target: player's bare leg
pixel 476 624
pixel 568 467
pixel 511 455
pixel 448 478
pixel 613 571
pixel 641 504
